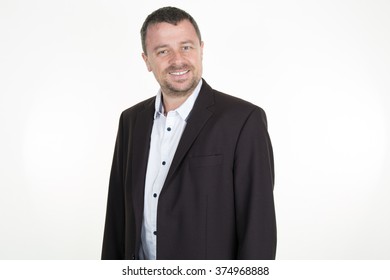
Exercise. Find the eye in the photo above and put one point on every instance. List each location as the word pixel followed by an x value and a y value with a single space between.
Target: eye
pixel 187 48
pixel 162 52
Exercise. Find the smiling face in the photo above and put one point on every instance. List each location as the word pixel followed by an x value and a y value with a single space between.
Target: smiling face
pixel 174 55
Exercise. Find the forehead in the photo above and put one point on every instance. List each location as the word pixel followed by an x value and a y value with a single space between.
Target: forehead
pixel 166 33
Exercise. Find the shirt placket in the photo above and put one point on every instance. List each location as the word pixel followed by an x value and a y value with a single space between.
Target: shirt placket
pixel 166 132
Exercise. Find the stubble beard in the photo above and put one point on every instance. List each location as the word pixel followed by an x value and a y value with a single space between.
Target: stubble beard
pixel 176 91
pixel 171 90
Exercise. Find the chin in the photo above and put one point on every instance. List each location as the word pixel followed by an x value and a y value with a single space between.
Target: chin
pixel 180 89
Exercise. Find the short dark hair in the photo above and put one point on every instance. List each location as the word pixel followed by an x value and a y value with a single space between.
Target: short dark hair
pixel 170 15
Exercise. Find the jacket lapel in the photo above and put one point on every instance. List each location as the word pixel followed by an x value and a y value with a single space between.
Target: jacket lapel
pixel 198 117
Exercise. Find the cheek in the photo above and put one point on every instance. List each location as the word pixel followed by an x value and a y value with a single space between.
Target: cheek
pixel 158 70
pixel 197 61
pixel 198 58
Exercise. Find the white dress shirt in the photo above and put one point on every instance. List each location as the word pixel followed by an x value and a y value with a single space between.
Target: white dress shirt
pixel 166 134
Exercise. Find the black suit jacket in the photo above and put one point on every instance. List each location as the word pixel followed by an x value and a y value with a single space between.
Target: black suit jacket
pixel 217 200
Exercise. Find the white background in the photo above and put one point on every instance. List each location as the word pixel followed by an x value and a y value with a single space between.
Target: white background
pixel 320 69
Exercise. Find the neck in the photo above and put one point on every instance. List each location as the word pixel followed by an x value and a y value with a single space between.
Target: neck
pixel 171 103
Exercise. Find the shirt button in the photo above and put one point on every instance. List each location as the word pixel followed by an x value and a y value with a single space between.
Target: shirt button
pixel 154 195
pixel 155 232
pixel 163 163
pixel 169 129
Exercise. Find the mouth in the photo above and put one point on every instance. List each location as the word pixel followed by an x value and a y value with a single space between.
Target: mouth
pixel 180 73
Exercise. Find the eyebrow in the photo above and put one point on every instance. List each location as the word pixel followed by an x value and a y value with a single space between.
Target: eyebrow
pixel 160 47
pixel 188 42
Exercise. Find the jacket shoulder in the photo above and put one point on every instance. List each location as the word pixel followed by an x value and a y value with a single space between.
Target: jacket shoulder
pixel 234 105
pixel 133 110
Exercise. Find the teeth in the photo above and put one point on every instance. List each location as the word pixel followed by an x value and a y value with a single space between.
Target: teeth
pixel 179 73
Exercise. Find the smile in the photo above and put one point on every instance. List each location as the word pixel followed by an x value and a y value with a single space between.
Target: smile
pixel 179 73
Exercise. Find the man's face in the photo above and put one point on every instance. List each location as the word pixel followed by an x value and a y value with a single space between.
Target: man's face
pixel 174 55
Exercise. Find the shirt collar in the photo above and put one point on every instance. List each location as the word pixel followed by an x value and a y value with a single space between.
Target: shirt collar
pixel 184 109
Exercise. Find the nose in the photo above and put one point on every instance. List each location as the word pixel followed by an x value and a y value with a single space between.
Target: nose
pixel 176 58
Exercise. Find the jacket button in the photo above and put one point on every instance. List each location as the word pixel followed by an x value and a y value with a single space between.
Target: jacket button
pixel 133 257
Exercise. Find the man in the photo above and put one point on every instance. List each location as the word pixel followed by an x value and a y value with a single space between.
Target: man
pixel 192 175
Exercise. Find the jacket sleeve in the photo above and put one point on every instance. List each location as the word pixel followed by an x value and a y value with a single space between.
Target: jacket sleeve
pixel 253 184
pixel 113 239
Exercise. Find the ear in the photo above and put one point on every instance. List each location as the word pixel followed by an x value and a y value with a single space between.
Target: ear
pixel 201 49
pixel 145 58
